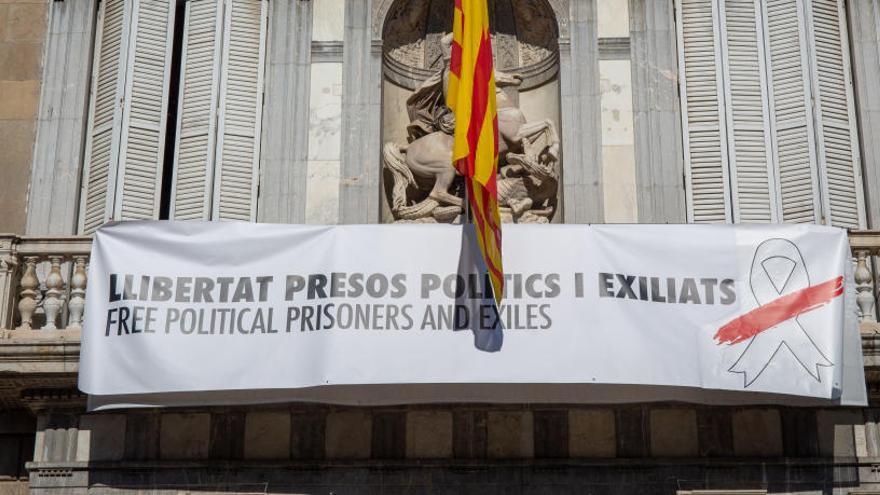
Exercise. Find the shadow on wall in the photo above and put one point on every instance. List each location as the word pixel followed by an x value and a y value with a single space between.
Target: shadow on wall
pixel 17 431
pixel 473 448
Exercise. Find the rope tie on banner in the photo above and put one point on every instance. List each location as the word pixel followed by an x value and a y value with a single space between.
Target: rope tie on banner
pixel 781 286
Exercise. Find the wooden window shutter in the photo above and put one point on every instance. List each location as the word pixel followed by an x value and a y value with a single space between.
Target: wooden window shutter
pixel 240 111
pixel 753 184
pixel 105 117
pixel 193 183
pixel 787 131
pixel 838 150
pixel 703 122
pixel 791 116
pixel 144 114
pixel 126 134
pixel 218 139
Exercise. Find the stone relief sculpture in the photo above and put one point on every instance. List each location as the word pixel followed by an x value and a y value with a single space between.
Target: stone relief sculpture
pixel 425 186
pixel 524 39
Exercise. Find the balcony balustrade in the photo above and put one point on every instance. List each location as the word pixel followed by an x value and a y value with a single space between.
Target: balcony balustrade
pixel 43 281
pixel 866 247
pixel 43 284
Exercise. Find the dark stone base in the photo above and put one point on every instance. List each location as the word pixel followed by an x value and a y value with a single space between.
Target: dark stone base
pixel 621 476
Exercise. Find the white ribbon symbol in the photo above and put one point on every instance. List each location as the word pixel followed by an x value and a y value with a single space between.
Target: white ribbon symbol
pixel 778 270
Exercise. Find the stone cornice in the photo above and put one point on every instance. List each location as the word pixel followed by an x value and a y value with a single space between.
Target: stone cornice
pixel 38 369
pixel 39 351
pixel 865 239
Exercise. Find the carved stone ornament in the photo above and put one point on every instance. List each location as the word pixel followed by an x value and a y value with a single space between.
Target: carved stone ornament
pixel 524 39
pixel 421 182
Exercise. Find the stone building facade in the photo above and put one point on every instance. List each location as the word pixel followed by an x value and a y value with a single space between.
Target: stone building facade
pixel 663 111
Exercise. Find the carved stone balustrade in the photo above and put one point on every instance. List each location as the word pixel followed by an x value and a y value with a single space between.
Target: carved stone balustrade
pixel 42 295
pixel 43 282
pixel 866 245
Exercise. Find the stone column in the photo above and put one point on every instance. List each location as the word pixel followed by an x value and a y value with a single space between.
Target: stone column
pixel 61 125
pixel 864 24
pixel 657 119
pixel 864 35
pixel 284 149
pixel 361 117
pixel 581 116
pixel 59 449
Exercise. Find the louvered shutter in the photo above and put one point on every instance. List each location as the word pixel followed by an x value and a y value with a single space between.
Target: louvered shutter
pixel 838 152
pixel 126 135
pixel 105 116
pixel 218 138
pixel 144 114
pixel 703 119
pixel 192 185
pixel 753 184
pixel 788 137
pixel 240 112
pixel 791 114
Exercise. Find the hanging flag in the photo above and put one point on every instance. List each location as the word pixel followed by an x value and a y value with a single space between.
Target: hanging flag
pixel 471 96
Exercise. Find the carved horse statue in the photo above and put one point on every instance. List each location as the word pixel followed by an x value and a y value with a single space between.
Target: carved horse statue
pixel 425 163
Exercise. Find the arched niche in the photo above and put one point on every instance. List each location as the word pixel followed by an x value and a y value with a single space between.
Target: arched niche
pixel 526 37
pixel 381 8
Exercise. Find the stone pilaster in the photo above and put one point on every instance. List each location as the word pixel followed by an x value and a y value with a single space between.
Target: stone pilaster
pixel 581 116
pixel 510 434
pixel 864 25
pixel 429 434
pixel 184 435
pixel 267 435
pixel 8 268
pixel 674 432
pixel 361 117
pixel 61 122
pixel 591 433
pixel 348 435
pixel 59 446
pixel 656 113
pixel 284 149
pixel 757 432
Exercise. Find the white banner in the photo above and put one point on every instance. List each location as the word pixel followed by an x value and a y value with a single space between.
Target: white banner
pixel 182 312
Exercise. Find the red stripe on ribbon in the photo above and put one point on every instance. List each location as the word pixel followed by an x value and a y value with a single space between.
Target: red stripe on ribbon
pixel 778 311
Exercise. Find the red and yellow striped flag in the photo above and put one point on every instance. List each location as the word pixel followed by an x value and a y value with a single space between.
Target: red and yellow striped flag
pixel 471 96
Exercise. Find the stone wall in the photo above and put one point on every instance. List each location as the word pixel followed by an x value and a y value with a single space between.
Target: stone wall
pixel 22 30
pixel 10 487
pixel 484 449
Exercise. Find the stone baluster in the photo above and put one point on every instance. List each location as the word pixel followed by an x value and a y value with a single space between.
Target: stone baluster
pixel 54 299
pixel 864 288
pixel 8 267
pixel 77 302
pixel 28 295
